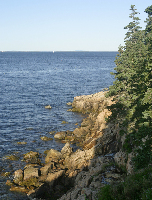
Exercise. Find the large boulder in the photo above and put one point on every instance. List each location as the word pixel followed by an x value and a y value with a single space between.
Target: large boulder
pixel 60 135
pixel 79 159
pixel 66 150
pixel 53 155
pixel 18 176
pixel 31 172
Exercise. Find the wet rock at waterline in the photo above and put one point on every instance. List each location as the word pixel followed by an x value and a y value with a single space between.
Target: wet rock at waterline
pixel 22 143
pixel 66 136
pixel 69 103
pixel 12 157
pixel 44 138
pixel 18 176
pixel 60 135
pixel 32 157
pixel 48 107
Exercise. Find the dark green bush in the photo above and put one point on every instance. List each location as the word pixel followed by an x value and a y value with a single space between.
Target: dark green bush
pixel 135 187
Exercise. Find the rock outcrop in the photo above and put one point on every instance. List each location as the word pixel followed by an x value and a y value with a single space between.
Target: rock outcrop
pixel 69 175
pixel 90 103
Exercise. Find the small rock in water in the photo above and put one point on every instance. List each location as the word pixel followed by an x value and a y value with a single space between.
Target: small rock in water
pixel 52 132
pixel 44 138
pixel 12 157
pixel 48 107
pixel 60 135
pixel 64 122
pixel 22 142
pixel 6 174
pixel 69 103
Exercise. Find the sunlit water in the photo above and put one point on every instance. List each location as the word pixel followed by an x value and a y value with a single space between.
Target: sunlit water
pixel 31 80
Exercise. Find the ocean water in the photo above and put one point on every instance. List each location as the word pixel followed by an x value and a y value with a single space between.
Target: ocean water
pixel 31 80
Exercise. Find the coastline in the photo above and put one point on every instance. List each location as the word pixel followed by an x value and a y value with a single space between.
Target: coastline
pixel 81 174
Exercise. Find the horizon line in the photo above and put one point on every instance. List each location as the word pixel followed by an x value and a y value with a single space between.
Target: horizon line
pixel 58 51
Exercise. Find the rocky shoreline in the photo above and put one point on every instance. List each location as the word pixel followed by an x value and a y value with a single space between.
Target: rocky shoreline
pixel 69 175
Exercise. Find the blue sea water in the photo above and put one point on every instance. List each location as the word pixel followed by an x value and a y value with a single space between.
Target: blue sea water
pixel 31 80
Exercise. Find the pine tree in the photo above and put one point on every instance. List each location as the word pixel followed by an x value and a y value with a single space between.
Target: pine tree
pixel 133 88
pixel 126 61
pixel 147 100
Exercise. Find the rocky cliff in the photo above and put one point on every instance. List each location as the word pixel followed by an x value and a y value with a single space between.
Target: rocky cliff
pixel 69 175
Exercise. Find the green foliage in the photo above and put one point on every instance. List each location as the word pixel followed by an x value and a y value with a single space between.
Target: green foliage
pixel 132 26
pixel 148 10
pixel 135 187
pixel 147 194
pixel 132 89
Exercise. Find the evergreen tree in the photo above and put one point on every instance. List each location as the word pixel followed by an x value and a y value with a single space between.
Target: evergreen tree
pixel 133 88
pixel 127 62
pixel 147 100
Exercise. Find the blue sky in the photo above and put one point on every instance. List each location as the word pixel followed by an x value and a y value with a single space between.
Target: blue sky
pixel 66 25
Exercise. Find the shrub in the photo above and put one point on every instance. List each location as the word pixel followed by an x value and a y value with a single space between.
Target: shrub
pixel 135 187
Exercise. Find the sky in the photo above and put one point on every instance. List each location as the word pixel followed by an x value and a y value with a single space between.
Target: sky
pixel 66 25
